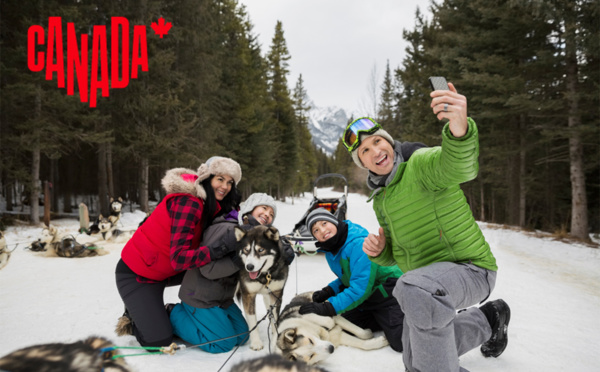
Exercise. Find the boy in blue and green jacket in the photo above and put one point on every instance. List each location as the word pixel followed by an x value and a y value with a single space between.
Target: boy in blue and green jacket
pixel 362 292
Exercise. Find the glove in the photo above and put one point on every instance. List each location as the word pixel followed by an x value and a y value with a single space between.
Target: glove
pixel 287 251
pixel 323 294
pixel 323 309
pixel 237 260
pixel 223 246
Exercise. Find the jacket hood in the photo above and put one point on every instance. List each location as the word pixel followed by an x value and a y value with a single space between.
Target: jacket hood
pixel 183 180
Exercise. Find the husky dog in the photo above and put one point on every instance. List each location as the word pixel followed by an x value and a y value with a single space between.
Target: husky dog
pixel 265 273
pixel 4 252
pixel 80 356
pixel 114 216
pixel 274 363
pixel 311 338
pixel 65 246
pixel 109 232
pixel 115 208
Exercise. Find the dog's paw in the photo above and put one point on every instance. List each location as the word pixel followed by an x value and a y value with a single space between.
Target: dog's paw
pixel 256 345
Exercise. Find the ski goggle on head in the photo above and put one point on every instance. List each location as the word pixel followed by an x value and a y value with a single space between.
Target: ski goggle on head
pixel 351 138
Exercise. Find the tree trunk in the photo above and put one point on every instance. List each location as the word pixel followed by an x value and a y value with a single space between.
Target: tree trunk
pixel 482 208
pixel 35 166
pixel 512 198
pixel 522 171
pixel 579 218
pixel 144 185
pixel 102 181
pixel 47 203
pixel 109 171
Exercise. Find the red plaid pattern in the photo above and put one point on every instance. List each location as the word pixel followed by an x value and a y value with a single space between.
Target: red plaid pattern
pixel 186 215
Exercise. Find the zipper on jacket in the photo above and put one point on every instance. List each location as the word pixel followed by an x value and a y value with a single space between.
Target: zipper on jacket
pixel 388 220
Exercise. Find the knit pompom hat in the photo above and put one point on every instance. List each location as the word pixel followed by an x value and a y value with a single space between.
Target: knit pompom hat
pixel 320 214
pixel 379 132
pixel 254 201
pixel 220 165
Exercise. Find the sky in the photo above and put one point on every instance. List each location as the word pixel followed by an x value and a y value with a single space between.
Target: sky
pixel 552 288
pixel 337 45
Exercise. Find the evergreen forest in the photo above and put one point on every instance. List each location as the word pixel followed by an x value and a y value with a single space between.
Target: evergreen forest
pixel 529 69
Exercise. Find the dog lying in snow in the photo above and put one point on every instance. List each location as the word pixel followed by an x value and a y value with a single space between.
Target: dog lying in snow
pixel 64 246
pixel 80 356
pixel 311 338
pixel 274 363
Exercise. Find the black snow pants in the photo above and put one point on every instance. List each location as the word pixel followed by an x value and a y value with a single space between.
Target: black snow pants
pixel 381 313
pixel 145 304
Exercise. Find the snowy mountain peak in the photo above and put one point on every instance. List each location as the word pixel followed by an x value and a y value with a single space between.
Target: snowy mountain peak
pixel 326 125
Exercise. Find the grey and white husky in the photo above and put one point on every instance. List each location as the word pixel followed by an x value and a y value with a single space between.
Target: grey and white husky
pixel 265 273
pixel 312 338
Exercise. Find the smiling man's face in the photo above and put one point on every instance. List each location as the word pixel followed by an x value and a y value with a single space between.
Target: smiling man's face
pixel 377 155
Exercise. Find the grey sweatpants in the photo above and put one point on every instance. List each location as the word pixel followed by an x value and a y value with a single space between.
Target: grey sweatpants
pixel 434 334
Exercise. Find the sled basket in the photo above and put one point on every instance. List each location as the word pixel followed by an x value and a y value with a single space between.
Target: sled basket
pixel 300 238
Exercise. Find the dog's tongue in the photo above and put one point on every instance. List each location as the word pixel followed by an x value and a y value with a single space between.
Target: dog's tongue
pixel 253 274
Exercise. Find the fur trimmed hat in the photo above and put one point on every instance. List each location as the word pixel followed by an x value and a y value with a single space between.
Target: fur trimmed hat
pixel 253 201
pixel 320 214
pixel 220 165
pixel 184 180
pixel 380 132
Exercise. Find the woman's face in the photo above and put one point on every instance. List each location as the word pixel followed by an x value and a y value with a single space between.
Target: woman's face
pixel 221 184
pixel 263 214
pixel 323 230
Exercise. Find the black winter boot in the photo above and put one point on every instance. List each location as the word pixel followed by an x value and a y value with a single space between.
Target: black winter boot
pixel 498 314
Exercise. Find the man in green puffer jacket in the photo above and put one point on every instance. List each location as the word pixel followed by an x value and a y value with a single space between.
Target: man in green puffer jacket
pixel 429 232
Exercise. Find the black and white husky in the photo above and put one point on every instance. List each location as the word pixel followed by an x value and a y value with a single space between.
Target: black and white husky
pixel 312 338
pixel 92 354
pixel 265 273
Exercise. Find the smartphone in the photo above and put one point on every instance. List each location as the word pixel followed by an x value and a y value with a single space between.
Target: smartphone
pixel 438 83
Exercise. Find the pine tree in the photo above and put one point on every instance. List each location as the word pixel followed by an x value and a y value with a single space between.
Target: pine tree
pixel 286 157
pixel 307 151
pixel 387 110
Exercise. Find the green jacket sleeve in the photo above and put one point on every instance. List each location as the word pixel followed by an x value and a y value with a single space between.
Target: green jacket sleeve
pixel 455 162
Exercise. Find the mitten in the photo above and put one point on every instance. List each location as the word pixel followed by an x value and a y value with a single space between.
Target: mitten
pixel 237 260
pixel 323 309
pixel 287 252
pixel 323 294
pixel 223 246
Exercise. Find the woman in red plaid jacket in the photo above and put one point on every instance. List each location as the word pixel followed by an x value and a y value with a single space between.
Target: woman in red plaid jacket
pixel 167 244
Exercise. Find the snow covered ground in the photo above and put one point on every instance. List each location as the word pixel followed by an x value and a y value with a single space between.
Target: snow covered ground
pixel 553 289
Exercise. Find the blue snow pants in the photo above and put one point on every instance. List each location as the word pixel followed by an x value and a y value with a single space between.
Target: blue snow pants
pixel 199 326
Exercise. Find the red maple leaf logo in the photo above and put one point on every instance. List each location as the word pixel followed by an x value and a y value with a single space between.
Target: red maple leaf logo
pixel 161 28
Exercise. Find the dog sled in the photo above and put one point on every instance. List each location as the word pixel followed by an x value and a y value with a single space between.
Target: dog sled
pixel 300 238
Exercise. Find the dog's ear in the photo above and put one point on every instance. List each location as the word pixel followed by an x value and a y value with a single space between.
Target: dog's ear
pixel 290 335
pixel 239 233
pixel 272 234
pixel 120 199
pixel 99 217
pixel 111 199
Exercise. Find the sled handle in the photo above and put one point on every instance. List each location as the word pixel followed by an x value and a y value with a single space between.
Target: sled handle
pixel 330 175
